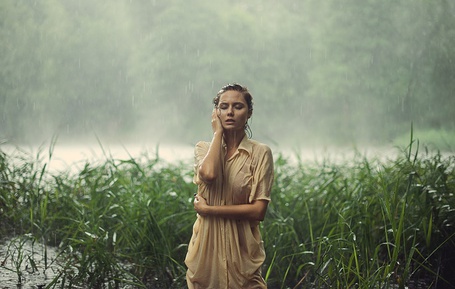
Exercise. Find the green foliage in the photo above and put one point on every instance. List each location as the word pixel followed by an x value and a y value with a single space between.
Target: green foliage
pixel 106 217
pixel 362 225
pixel 356 70
pixel 127 222
pixel 433 139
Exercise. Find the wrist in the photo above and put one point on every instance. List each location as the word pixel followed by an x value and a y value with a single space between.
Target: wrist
pixel 217 133
pixel 207 210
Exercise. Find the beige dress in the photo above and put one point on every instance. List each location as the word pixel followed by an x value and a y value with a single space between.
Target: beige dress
pixel 227 253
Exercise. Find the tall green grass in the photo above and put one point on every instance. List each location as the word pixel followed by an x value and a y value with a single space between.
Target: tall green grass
pixel 359 224
pixel 118 222
pixel 365 224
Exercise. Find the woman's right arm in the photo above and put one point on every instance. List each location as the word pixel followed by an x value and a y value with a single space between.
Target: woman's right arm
pixel 208 168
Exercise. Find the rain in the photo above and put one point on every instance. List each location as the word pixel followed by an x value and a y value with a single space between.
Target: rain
pixel 328 78
pixel 144 72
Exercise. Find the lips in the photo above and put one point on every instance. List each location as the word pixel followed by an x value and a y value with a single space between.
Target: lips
pixel 230 121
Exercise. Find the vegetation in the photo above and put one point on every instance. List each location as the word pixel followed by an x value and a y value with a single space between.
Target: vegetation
pixel 327 71
pixel 346 70
pixel 360 224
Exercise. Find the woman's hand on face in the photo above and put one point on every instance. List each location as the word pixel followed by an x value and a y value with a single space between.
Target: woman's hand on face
pixel 200 205
pixel 216 121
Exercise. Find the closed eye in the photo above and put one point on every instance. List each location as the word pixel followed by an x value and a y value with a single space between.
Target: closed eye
pixel 238 106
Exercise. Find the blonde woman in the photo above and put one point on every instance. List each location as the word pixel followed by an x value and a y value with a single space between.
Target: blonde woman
pixel 234 175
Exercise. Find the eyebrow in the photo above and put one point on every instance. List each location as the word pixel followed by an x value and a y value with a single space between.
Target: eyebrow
pixel 234 103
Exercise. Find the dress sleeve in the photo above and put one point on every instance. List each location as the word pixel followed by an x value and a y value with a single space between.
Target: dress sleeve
pixel 200 150
pixel 263 175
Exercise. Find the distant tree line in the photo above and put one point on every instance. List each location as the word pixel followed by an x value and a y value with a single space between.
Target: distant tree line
pixel 351 69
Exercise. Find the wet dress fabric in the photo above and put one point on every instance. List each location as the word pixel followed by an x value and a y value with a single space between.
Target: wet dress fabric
pixel 229 253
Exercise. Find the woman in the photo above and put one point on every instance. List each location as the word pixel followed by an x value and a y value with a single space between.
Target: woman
pixel 234 175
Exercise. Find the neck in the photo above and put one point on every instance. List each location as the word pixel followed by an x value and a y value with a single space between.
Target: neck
pixel 233 138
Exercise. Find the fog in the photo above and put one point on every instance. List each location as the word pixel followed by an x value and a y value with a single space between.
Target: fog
pixel 141 75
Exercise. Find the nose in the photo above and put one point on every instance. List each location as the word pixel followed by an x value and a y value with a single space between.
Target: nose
pixel 230 111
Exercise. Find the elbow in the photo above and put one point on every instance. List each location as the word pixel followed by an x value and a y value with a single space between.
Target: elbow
pixel 260 217
pixel 260 211
pixel 206 176
pixel 256 217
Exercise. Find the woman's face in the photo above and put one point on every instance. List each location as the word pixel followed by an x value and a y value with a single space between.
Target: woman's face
pixel 233 110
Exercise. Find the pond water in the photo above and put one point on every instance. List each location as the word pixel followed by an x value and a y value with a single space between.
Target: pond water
pixel 26 263
pixel 74 157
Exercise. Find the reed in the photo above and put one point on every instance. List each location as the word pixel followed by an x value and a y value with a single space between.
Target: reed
pixel 363 223
pixel 366 224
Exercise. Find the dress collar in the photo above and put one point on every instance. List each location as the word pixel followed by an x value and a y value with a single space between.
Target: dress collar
pixel 245 145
